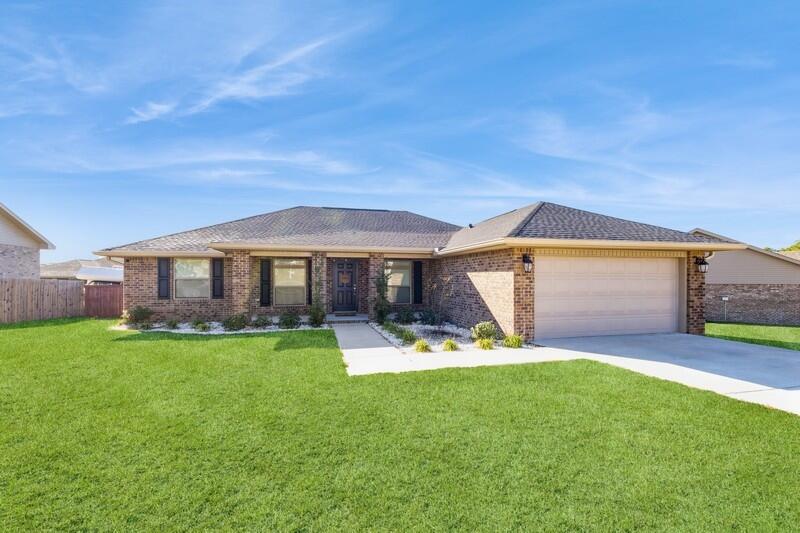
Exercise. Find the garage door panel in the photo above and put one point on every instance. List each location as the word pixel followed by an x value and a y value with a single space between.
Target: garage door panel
pixel 579 296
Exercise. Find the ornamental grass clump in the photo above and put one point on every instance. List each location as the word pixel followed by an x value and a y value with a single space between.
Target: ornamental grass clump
pixel 513 341
pixel 172 323
pixel 450 345
pixel 422 346
pixel 405 335
pixel 485 344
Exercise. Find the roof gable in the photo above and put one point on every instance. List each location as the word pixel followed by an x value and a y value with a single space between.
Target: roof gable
pixel 546 220
pixel 26 228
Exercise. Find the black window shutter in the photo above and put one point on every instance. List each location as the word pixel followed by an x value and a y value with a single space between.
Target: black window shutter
pixel 308 281
pixel 217 277
pixel 417 289
pixel 266 282
pixel 163 278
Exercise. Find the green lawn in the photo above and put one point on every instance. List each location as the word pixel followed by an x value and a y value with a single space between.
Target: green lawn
pixel 780 336
pixel 122 430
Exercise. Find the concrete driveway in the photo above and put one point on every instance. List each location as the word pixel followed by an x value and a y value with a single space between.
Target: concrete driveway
pixel 748 372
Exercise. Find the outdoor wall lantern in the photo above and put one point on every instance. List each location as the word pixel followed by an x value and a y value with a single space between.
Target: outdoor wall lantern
pixel 527 263
pixel 702 264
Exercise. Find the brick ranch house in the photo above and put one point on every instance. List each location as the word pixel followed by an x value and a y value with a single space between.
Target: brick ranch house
pixel 752 285
pixel 543 270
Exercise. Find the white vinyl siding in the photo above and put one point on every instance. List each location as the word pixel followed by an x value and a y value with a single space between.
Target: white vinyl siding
pixel 192 278
pixel 399 277
pixel 289 281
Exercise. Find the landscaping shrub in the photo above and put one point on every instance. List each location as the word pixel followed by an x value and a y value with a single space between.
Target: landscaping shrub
pixel 422 346
pixel 316 316
pixel 485 344
pixel 197 321
pixel 262 321
pixel 289 320
pixel 405 316
pixel 405 335
pixel 484 330
pixel 513 341
pixel 139 314
pixel 235 322
pixel 144 326
pixel 429 317
pixel 199 325
pixel 450 345
pixel 172 323
pixel 381 302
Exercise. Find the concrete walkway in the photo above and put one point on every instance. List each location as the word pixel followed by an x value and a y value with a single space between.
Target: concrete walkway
pixel 365 352
pixel 751 373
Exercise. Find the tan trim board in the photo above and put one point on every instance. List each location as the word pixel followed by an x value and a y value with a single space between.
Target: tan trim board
pixel 278 253
pixel 347 255
pixel 518 242
pixel 600 252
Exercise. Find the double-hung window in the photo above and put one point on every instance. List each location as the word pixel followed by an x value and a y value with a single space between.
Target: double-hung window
pixel 192 278
pixel 399 277
pixel 290 278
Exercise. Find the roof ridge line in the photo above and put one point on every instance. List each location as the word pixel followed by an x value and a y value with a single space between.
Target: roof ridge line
pixel 536 207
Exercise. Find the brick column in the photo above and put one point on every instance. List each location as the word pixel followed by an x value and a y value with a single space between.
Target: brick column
pixel 695 296
pixel 240 281
pixel 523 294
pixel 375 266
pixel 319 261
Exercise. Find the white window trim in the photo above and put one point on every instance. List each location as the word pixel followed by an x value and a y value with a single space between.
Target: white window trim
pixel 175 280
pixel 410 281
pixel 274 266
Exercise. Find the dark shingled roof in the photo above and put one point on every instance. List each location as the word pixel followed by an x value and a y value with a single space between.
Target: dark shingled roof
pixel 311 226
pixel 552 221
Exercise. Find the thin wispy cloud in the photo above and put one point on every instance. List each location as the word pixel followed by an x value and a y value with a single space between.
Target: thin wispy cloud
pixel 750 61
pixel 150 111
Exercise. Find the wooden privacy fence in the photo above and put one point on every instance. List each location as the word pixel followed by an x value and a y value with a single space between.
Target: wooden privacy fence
pixel 103 300
pixel 38 299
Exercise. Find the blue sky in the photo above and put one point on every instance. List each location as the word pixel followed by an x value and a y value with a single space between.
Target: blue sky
pixel 127 121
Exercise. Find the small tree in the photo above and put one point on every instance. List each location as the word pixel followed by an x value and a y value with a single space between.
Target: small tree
pixel 316 314
pixel 381 303
pixel 441 291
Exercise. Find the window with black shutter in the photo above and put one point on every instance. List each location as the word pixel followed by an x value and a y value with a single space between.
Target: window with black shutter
pixel 217 277
pixel 308 282
pixel 266 284
pixel 417 291
pixel 163 278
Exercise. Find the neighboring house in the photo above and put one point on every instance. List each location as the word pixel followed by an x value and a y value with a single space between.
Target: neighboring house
pixel 91 271
pixel 793 254
pixel 543 270
pixel 752 285
pixel 19 247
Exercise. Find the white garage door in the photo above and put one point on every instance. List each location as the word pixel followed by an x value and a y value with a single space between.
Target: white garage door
pixel 582 296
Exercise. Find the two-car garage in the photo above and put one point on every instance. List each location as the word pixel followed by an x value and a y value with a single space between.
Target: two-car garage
pixel 578 296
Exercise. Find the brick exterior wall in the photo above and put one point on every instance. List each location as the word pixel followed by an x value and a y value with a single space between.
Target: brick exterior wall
pixel 695 297
pixel 478 287
pixel 140 287
pixel 19 262
pixel 466 289
pixel 753 303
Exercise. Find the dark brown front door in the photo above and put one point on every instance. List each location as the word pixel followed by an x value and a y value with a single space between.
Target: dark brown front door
pixel 344 279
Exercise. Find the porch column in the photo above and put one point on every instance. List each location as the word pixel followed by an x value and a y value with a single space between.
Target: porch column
pixel 240 282
pixel 319 275
pixel 376 265
pixel 523 294
pixel 695 296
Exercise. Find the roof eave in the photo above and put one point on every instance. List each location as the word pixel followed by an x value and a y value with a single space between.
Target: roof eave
pixel 521 242
pixel 157 253
pixel 47 245
pixel 754 248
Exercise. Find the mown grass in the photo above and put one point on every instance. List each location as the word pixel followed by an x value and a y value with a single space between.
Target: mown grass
pixel 780 336
pixel 119 430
